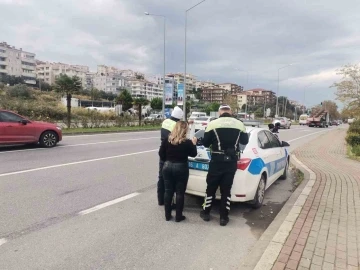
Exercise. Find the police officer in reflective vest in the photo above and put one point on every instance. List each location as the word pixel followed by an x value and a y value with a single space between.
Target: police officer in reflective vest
pixel 223 135
pixel 166 128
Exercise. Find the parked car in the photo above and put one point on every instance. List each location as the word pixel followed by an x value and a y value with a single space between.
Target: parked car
pixel 284 122
pixel 263 160
pixel 17 129
pixel 202 122
pixel 334 123
pixel 153 117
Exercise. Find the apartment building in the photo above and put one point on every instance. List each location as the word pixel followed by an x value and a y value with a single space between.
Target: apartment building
pixel 204 84
pixel 145 89
pixel 111 82
pixel 158 79
pixel 260 96
pixel 213 94
pixel 242 99
pixel 179 78
pixel 16 62
pixel 49 71
pixel 130 74
pixel 231 87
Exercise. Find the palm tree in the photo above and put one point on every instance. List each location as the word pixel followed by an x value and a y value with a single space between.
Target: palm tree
pixel 140 102
pixel 68 86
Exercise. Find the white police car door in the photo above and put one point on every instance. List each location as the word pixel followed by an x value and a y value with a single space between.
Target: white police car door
pixel 269 155
pixel 280 161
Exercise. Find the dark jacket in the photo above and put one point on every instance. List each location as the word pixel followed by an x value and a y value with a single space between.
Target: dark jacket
pixel 177 153
pixel 167 127
pixel 229 130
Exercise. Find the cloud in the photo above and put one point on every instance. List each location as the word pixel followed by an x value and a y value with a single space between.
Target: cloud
pixel 257 36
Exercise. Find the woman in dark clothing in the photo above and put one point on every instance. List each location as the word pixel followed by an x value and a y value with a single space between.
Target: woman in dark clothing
pixel 175 152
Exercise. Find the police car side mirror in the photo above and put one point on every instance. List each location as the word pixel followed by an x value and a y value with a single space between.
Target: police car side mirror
pixel 284 144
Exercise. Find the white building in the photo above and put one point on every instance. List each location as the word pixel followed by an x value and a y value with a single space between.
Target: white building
pixel 16 62
pixel 158 79
pixel 145 89
pixel 111 82
pixel 204 84
pixel 179 78
pixel 48 71
pixel 128 73
pixel 241 100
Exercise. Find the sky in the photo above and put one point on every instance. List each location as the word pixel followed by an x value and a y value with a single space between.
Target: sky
pixel 243 42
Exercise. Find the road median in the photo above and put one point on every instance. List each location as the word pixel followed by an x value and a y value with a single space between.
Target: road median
pixel 80 131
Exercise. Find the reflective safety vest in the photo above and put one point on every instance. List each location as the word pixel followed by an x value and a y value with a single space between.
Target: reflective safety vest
pixel 168 124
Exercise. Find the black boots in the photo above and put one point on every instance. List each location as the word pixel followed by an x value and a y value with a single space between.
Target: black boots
pixel 205 216
pixel 224 221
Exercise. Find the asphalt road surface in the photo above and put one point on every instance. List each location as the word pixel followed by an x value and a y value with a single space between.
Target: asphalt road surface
pixel 90 203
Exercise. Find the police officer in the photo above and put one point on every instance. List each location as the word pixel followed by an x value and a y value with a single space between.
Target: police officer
pixel 166 128
pixel 223 135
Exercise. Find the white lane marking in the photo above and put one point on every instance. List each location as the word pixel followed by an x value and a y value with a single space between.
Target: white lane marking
pixel 76 163
pixel 306 136
pixel 2 241
pixel 80 144
pixel 110 133
pixel 103 205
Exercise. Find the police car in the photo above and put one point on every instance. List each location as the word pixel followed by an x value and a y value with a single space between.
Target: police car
pixel 263 160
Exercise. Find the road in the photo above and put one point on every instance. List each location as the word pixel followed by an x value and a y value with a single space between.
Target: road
pixel 90 203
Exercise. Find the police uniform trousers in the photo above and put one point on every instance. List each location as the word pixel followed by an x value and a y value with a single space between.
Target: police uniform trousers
pixel 220 174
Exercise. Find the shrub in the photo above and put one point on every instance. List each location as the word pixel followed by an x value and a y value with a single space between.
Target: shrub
pixel 353 139
pixel 20 91
pixel 354 127
pixel 356 150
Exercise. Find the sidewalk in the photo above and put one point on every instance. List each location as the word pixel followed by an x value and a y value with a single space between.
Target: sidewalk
pixel 322 230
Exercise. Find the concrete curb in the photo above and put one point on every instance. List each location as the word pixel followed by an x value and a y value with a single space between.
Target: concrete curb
pixel 266 250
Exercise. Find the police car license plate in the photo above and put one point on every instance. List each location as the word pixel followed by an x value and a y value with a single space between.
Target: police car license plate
pixel 198 166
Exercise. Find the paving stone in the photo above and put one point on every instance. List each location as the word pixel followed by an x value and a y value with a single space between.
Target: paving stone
pixel 328 266
pixel 317 260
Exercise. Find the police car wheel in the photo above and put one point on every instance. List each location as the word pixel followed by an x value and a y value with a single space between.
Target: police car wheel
pixel 285 174
pixel 260 194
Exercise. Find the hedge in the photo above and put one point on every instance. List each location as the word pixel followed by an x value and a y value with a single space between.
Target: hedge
pixel 353 138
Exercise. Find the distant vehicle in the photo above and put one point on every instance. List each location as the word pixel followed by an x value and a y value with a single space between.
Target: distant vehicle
pixel 351 120
pixel 303 120
pixel 153 117
pixel 101 109
pixel 263 160
pixel 202 122
pixel 284 122
pixel 16 129
pixel 334 123
pixel 319 119
pixel 195 115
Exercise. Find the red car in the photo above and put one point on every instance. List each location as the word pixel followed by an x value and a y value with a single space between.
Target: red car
pixel 16 129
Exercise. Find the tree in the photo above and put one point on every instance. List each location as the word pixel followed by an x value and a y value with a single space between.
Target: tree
pixel 212 107
pixel 332 108
pixel 11 80
pixel 139 77
pixel 95 93
pixel 348 89
pixel 140 102
pixel 232 102
pixel 43 86
pixel 68 86
pixel 156 103
pixel 125 99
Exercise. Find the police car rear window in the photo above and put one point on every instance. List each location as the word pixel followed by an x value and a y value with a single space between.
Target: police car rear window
pixel 202 118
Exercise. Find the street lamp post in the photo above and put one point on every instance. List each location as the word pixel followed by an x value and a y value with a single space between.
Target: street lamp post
pixel 305 92
pixel 163 98
pixel 277 92
pixel 186 13
pixel 247 86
